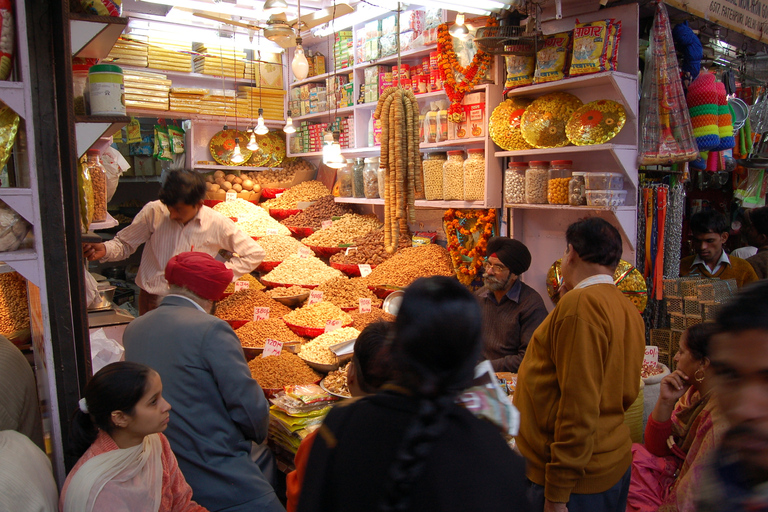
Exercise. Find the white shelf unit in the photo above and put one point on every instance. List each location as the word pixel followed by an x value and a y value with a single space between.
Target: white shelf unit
pixel 198 137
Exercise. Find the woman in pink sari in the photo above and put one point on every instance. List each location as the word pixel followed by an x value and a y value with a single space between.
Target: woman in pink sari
pixel 686 424
pixel 126 464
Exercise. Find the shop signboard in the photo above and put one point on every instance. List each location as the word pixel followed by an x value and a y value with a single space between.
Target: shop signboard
pixel 748 17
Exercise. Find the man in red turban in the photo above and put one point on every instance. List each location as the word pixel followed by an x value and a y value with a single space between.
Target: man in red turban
pixel 198 273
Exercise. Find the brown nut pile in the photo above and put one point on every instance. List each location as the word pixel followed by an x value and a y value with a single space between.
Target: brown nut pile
pixel 305 191
pixel 361 320
pixel 239 305
pixel 290 291
pixel 253 284
pixel 315 316
pixel 306 271
pixel 344 230
pixel 408 264
pixel 317 350
pixel 14 312
pixel 276 372
pixel 346 293
pixel 279 247
pixel 368 249
pixel 254 333
pixel 336 381
pixel 314 215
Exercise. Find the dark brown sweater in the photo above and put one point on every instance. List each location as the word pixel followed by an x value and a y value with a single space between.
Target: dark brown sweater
pixel 760 263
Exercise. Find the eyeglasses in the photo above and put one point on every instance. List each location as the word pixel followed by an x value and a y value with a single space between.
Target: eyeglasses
pixel 497 269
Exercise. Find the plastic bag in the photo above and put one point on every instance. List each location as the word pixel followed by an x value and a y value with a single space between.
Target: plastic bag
pixel 551 60
pixel 162 144
pixel 176 134
pixel 104 350
pixel 85 194
pixel 115 165
pixel 13 228
pixel 752 189
pixel 485 399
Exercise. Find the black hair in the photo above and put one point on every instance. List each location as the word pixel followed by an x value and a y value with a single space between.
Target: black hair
pixel 709 221
pixel 758 218
pixel 436 343
pixel 186 187
pixel 595 240
pixel 746 311
pixel 371 357
pixel 697 338
pixel 116 387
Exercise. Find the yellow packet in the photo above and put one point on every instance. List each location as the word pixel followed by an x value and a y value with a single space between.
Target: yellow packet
pixel 551 60
pixel 589 47
pixel 519 70
pixel 133 131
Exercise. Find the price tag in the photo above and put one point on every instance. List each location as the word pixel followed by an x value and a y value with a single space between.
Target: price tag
pixel 315 296
pixel 231 195
pixel 242 285
pixel 278 194
pixel 365 269
pixel 332 325
pixel 304 252
pixel 326 224
pixel 260 313
pixel 346 251
pixel 365 305
pixel 271 231
pixel 272 348
pixel 651 354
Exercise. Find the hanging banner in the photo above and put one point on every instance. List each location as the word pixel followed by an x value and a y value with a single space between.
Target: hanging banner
pixel 748 17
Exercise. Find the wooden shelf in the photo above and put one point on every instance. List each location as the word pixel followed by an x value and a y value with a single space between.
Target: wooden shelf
pixel 566 149
pixel 420 203
pixel 569 207
pixel 20 199
pixel 94 36
pixel 173 114
pixel 319 115
pixel 311 80
pixel 451 144
pixel 12 94
pixel 109 223
pixel 89 129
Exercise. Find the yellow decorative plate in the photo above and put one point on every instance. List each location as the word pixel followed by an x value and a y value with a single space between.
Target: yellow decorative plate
pixel 279 144
pixel 543 123
pixel 504 126
pixel 597 122
pixel 9 127
pixel 627 278
pixel 262 157
pixel 223 145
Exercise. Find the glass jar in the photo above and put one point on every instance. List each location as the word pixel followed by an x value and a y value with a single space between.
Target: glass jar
pixel 357 169
pixel 80 88
pixel 433 176
pixel 453 176
pixel 514 183
pixel 346 180
pixel 557 185
pixel 536 177
pixel 576 189
pixel 382 182
pixel 371 178
pixel 99 181
pixel 474 175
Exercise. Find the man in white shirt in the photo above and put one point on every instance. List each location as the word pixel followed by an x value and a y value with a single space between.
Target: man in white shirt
pixel 177 222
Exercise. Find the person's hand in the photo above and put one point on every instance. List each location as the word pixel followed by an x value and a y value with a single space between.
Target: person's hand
pixel 673 386
pixel 551 506
pixel 93 252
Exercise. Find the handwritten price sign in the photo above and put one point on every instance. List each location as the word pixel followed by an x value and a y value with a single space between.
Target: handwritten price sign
pixel 315 296
pixel 365 305
pixel 272 348
pixel 365 269
pixel 231 196
pixel 651 354
pixel 242 285
pixel 271 231
pixel 260 313
pixel 332 325
pixel 326 224
pixel 304 252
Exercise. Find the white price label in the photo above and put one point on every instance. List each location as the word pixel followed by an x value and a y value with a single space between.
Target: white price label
pixel 271 231
pixel 278 194
pixel 326 224
pixel 304 252
pixel 260 313
pixel 242 285
pixel 365 269
pixel 346 252
pixel 315 296
pixel 365 305
pixel 651 354
pixel 332 325
pixel 272 348
pixel 231 195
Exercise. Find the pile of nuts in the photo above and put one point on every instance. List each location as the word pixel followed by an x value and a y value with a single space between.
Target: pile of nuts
pixel 290 291
pixel 305 191
pixel 254 333
pixel 303 271
pixel 276 372
pixel 346 293
pixel 279 247
pixel 317 350
pixel 408 264
pixel 312 217
pixel 253 284
pixel 336 381
pixel 368 249
pixel 344 230
pixel 14 312
pixel 239 208
pixel 239 305
pixel 315 316
pixel 361 320
pixel 257 226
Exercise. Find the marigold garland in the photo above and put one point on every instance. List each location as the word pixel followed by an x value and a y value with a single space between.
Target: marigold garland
pixel 468 257
pixel 450 65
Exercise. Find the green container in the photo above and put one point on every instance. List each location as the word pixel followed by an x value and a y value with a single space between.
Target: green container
pixel 106 91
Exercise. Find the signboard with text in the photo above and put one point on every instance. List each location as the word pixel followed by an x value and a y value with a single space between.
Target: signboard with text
pixel 748 17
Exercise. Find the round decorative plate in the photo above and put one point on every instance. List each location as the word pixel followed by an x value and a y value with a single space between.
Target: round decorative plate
pixel 223 145
pixel 504 126
pixel 262 157
pixel 597 122
pixel 9 127
pixel 279 144
pixel 543 123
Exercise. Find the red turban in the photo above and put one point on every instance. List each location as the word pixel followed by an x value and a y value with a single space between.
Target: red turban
pixel 199 273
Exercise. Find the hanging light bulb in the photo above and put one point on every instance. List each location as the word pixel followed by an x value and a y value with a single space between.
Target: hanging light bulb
pixel 288 128
pixel 237 156
pixel 261 128
pixel 274 7
pixel 459 29
pixel 299 65
pixel 332 156
pixel 252 144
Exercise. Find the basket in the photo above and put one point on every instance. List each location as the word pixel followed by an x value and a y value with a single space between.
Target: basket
pixel 674 287
pixel 326 252
pixel 507 40
pixel 300 231
pixel 271 193
pixel 268 266
pixel 308 332
pixel 692 320
pixel 691 306
pixel 270 284
pixel 667 340
pixel 349 269
pixel 677 321
pixel 690 287
pixel 717 290
pixel 674 304
pixel 278 214
pixel 709 310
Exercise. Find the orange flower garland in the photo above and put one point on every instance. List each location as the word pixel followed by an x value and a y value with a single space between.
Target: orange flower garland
pixel 475 228
pixel 450 65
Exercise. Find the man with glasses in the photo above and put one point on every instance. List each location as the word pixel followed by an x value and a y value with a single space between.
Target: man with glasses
pixel 512 310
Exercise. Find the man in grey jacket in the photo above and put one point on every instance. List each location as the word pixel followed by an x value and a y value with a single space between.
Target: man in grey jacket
pixel 219 410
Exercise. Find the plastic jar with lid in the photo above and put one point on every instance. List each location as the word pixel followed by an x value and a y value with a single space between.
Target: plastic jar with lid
pixel 346 180
pixel 576 189
pixel 453 176
pixel 536 177
pixel 98 177
pixel 557 185
pixel 80 88
pixel 433 175
pixel 106 92
pixel 357 171
pixel 371 178
pixel 474 175
pixel 514 183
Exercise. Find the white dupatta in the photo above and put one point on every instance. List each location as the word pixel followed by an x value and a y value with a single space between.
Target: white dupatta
pixel 127 479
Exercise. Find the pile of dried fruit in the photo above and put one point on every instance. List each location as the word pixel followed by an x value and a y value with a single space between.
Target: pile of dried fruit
pixel 411 263
pixel 313 216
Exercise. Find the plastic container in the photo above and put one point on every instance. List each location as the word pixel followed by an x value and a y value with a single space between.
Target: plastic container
pixel 536 178
pixel 433 175
pixel 106 92
pixel 577 189
pixel 99 181
pixel 371 178
pixel 474 175
pixel 606 197
pixel 345 177
pixel 80 88
pixel 514 183
pixel 604 181
pixel 557 184
pixel 357 168
pixel 453 176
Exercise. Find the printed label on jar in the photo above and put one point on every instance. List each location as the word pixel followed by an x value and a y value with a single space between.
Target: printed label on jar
pixel 272 347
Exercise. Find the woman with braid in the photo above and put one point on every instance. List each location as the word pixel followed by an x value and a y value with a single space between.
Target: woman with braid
pixel 409 446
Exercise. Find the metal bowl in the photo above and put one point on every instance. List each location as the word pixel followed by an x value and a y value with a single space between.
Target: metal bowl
pixel 391 304
pixel 293 300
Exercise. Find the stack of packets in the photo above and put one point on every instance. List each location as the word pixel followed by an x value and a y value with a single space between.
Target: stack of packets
pixel 295 413
pixel 270 100
pixel 128 51
pixel 169 55
pixel 187 99
pixel 219 61
pixel 146 90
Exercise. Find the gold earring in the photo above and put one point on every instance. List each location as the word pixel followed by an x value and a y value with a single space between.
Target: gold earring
pixel 696 375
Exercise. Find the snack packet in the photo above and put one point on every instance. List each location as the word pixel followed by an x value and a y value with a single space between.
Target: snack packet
pixel 590 47
pixel 176 134
pixel 552 59
pixel 162 143
pixel 519 71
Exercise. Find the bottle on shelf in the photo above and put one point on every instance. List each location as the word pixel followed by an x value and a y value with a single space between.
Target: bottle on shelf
pixel 536 177
pixel 576 189
pixel 514 183
pixel 557 185
pixel 357 169
pixel 371 178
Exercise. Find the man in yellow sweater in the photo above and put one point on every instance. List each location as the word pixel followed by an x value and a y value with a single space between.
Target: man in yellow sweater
pixel 710 232
pixel 581 372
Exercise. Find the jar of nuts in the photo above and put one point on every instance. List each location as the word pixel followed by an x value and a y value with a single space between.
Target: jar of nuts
pixel 514 183
pixel 371 178
pixel 576 187
pixel 357 169
pixel 557 185
pixel 433 176
pixel 345 178
pixel 453 176
pixel 536 177
pixel 474 175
